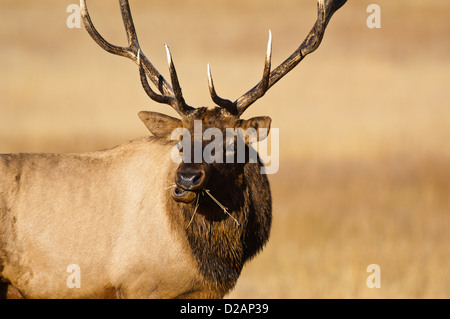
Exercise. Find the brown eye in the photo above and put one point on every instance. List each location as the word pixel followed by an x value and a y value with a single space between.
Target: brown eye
pixel 180 147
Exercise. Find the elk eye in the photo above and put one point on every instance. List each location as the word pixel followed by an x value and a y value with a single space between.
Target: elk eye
pixel 180 147
pixel 230 144
pixel 229 147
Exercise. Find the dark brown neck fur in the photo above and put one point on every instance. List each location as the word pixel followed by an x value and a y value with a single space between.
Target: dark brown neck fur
pixel 219 245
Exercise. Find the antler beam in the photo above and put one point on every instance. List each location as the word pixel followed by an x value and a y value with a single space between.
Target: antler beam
pixel 325 9
pixel 171 96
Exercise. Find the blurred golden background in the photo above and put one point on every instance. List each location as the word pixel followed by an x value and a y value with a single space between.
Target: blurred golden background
pixel 364 123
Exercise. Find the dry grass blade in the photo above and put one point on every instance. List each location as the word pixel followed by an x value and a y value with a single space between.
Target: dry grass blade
pixel 195 211
pixel 225 210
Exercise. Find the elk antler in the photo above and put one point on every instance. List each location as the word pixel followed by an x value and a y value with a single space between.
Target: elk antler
pixel 173 96
pixel 169 95
pixel 325 9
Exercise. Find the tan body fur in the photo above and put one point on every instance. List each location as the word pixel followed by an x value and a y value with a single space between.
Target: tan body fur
pixel 137 224
pixel 100 211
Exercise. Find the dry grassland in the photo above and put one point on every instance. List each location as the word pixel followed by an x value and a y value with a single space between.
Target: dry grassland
pixel 364 124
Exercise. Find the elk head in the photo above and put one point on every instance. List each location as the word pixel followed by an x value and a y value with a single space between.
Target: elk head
pixel 192 176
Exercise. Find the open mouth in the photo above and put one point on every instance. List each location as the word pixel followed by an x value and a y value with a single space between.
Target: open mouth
pixel 181 195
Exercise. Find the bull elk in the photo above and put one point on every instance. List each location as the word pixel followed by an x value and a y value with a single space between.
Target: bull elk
pixel 137 224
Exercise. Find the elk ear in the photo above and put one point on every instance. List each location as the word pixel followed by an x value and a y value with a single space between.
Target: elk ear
pixel 160 125
pixel 261 124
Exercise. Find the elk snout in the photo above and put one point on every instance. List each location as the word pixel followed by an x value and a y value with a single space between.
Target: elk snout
pixel 189 178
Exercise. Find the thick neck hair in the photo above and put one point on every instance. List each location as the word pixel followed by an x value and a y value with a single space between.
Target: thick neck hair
pixel 221 243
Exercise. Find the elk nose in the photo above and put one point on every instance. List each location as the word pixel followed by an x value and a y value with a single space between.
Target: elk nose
pixel 191 178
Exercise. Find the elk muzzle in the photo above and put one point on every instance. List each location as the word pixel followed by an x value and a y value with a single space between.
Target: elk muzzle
pixel 190 178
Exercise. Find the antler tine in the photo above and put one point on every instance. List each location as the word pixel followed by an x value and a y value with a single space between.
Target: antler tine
pixel 261 88
pixel 258 91
pixel 179 100
pixel 152 94
pixel 325 9
pixel 226 104
pixel 105 45
pixel 169 95
pixel 129 25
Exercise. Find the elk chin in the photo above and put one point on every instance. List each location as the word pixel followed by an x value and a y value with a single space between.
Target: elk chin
pixel 184 196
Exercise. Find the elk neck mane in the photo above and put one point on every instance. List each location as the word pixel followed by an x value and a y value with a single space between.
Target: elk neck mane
pixel 220 244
